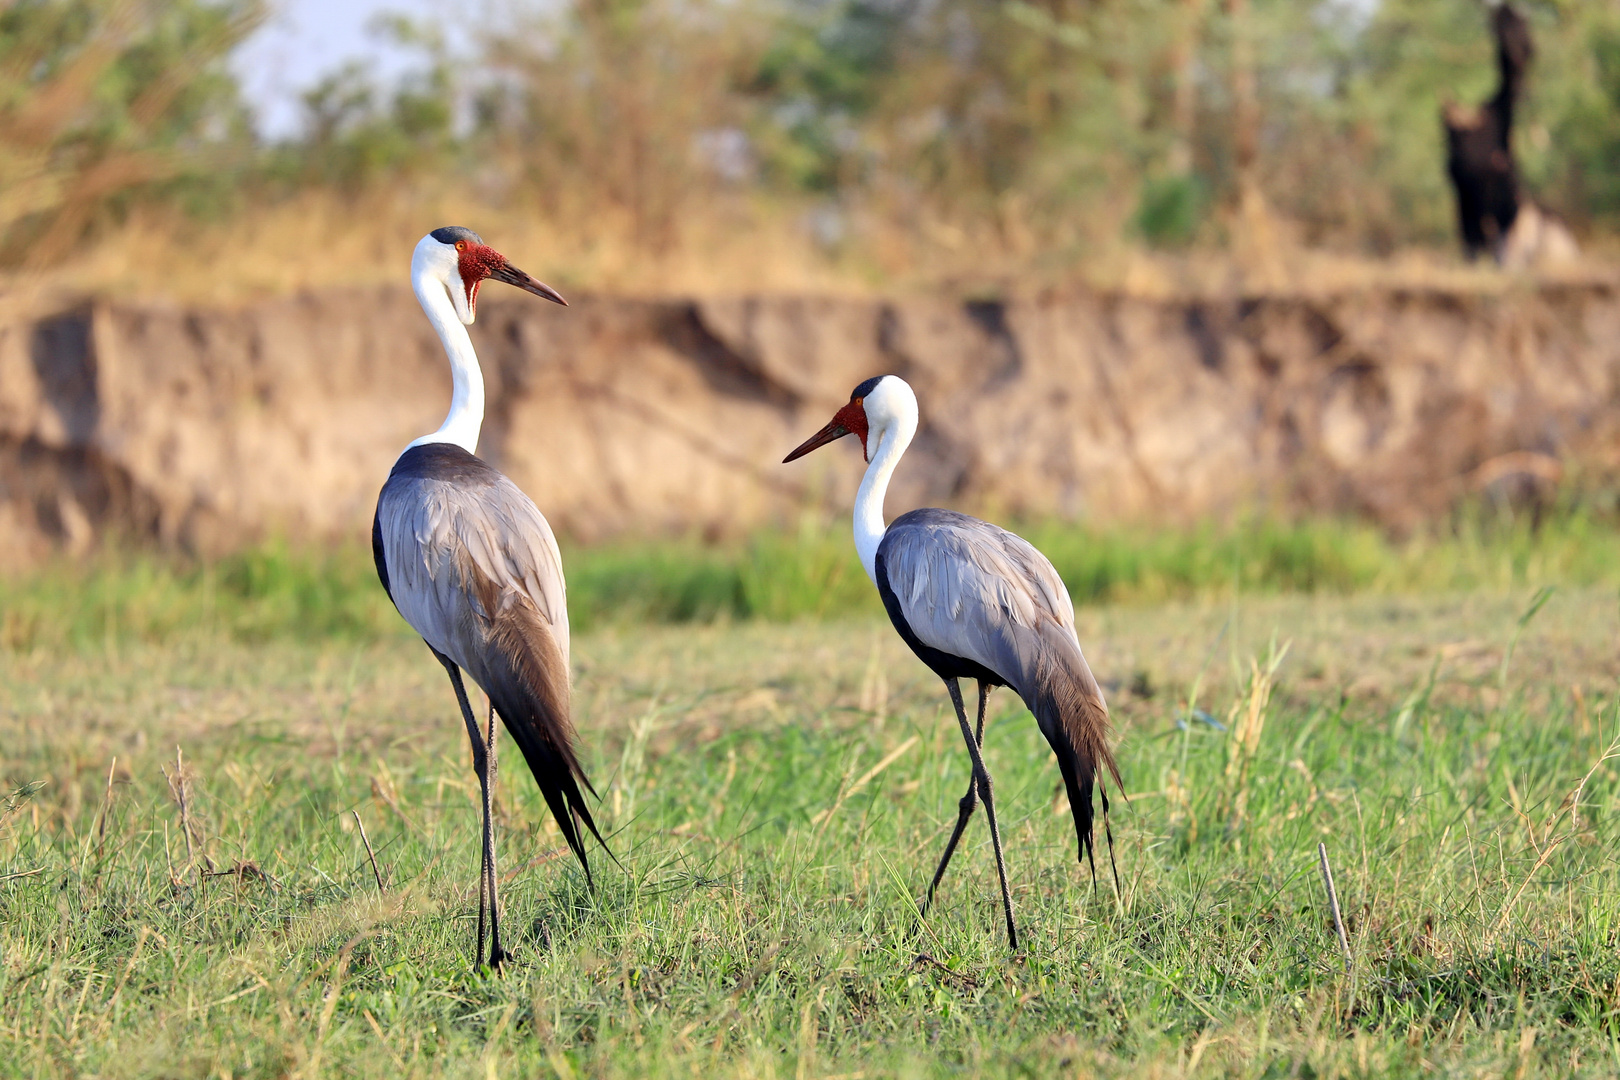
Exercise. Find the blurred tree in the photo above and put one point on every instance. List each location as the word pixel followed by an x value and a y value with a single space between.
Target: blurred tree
pixel 357 134
pixel 1049 123
pixel 1569 147
pixel 621 108
pixel 904 133
pixel 100 98
pixel 1367 165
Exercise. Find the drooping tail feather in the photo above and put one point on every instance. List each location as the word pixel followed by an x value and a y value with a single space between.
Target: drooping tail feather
pixel 527 682
pixel 1068 705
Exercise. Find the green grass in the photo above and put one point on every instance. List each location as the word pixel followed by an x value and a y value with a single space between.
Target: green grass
pixel 765 921
pixel 811 571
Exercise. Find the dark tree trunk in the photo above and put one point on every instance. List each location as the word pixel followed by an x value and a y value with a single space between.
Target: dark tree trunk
pixel 1479 143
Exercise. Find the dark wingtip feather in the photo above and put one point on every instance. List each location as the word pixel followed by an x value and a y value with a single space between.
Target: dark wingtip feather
pixel 529 688
pixel 1070 710
pixel 590 823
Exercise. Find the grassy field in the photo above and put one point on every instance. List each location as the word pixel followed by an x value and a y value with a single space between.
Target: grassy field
pixel 778 792
pixel 274 590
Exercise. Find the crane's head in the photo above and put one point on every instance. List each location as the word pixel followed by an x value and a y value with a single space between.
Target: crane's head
pixel 878 406
pixel 459 260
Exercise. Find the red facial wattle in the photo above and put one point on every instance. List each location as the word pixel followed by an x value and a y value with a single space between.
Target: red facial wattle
pixel 475 263
pixel 852 417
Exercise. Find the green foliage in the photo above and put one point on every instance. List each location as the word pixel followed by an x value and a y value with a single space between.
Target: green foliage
pixel 357 134
pixel 809 572
pixel 957 111
pixel 265 592
pixel 101 99
pixel 675 582
pixel 1171 209
pixel 599 110
pixel 1581 135
pixel 1037 129
pixel 836 57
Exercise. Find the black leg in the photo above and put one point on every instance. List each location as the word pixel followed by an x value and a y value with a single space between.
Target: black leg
pixel 964 808
pixel 481 767
pixel 497 955
pixel 985 791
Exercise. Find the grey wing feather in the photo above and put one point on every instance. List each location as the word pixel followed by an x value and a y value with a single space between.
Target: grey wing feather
pixel 971 589
pixel 453 553
pixel 473 567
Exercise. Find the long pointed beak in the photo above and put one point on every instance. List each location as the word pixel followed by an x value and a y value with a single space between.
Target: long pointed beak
pixel 513 276
pixel 831 433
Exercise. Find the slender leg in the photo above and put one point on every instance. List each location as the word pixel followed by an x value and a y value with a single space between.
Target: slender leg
pixel 983 776
pixel 497 955
pixel 964 808
pixel 481 767
pixel 483 902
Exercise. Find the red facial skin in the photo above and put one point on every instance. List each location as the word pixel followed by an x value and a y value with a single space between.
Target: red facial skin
pixel 476 262
pixel 853 418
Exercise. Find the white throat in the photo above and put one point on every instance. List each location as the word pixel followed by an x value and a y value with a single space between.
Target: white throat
pixel 466 415
pixel 888 438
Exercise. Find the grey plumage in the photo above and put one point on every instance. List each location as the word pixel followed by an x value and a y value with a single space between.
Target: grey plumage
pixel 973 590
pixel 473 566
pixel 460 537
pixel 976 601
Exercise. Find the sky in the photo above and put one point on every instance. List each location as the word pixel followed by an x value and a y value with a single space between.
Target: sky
pixel 304 40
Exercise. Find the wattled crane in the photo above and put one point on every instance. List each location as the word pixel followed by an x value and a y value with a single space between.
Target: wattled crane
pixel 974 601
pixel 473 567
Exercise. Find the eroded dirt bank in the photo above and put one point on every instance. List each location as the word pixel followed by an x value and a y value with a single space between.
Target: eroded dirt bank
pixel 211 428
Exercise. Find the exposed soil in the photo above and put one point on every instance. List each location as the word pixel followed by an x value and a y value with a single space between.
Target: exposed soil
pixel 209 428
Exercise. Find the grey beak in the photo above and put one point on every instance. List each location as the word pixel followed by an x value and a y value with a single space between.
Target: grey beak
pixel 513 276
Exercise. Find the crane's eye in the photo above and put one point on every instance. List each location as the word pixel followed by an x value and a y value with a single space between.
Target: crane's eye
pixel 461 245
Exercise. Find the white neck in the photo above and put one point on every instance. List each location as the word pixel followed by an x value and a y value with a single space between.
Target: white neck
pixel 869 528
pixel 467 398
